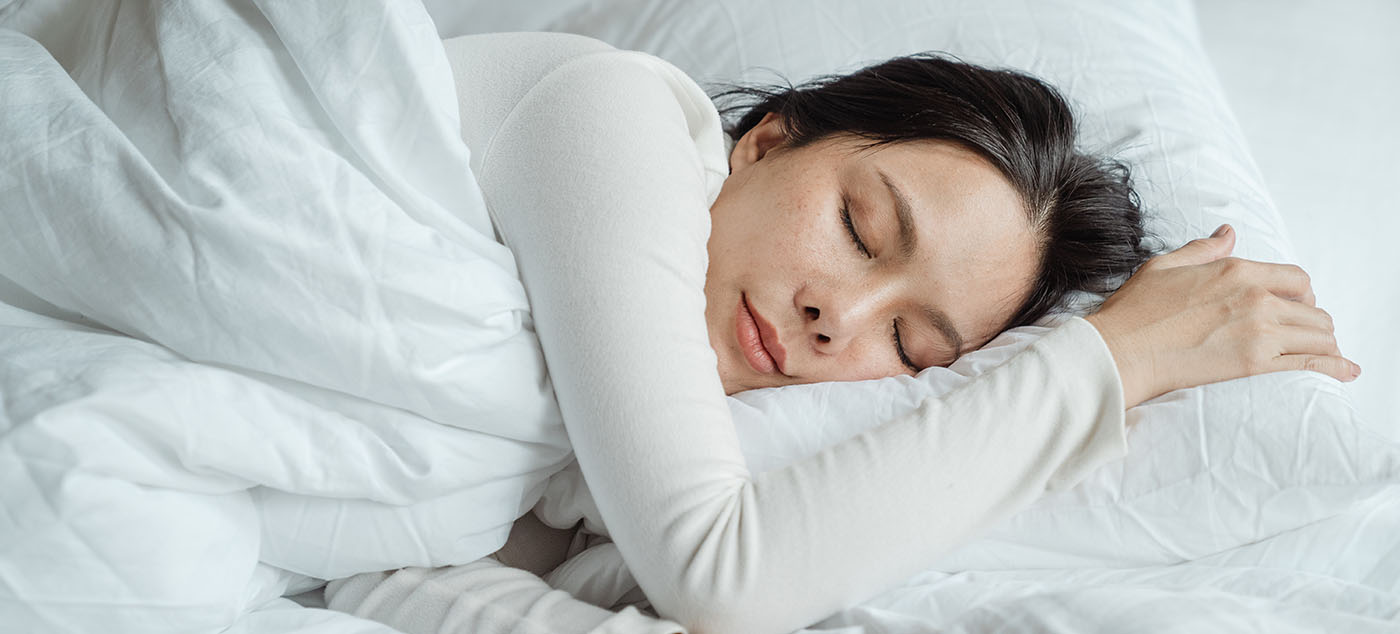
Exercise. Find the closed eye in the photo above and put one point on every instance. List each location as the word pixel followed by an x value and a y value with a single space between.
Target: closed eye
pixel 851 228
pixel 899 349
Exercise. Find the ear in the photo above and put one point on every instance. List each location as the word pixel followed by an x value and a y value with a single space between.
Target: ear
pixel 757 142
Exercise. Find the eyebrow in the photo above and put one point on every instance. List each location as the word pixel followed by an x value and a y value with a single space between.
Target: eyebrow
pixel 904 214
pixel 940 321
pixel 908 244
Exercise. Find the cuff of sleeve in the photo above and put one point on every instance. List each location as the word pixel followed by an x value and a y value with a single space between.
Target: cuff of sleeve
pixel 1086 369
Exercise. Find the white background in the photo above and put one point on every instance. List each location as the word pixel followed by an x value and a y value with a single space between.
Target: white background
pixel 1315 85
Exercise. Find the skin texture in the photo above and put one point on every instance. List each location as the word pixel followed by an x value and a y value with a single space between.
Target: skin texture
pixel 779 249
pixel 779 244
pixel 1196 316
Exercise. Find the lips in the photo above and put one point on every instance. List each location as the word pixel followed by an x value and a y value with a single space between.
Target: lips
pixel 758 340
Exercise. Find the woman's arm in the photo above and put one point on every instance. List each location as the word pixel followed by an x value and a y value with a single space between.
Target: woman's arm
pixel 600 179
pixel 481 597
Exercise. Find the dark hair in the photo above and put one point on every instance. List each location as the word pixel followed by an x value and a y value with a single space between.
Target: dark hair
pixel 1081 206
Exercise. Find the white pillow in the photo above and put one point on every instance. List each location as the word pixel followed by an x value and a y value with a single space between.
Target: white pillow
pixel 1135 72
pixel 1209 468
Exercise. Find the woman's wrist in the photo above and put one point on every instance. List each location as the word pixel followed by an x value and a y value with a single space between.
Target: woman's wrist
pixel 1135 369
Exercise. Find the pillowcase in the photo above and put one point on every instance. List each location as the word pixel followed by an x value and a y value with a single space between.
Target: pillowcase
pixel 1142 86
pixel 1209 468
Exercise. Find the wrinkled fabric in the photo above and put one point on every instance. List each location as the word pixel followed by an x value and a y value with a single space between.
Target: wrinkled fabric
pixel 254 311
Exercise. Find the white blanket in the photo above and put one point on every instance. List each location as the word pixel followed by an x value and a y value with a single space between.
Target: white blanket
pixel 1338 575
pixel 253 311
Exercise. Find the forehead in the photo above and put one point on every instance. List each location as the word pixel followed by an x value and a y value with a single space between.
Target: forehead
pixel 931 164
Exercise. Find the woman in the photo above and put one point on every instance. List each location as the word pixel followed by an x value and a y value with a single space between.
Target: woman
pixel 863 227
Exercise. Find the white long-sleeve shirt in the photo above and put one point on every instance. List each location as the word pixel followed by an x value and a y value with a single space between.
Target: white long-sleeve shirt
pixel 599 167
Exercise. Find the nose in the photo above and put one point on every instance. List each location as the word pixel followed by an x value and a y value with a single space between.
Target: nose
pixel 836 315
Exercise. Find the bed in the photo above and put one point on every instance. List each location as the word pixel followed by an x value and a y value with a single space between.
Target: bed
pixel 1264 504
pixel 1177 537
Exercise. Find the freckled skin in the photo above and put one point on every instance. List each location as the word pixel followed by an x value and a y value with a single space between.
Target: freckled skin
pixel 778 238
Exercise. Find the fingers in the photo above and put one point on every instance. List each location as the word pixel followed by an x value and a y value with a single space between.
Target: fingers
pixel 1313 348
pixel 1335 367
pixel 1308 340
pixel 1288 281
pixel 1200 250
pixel 1301 314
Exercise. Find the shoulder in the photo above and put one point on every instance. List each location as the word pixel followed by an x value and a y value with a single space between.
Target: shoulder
pixel 578 86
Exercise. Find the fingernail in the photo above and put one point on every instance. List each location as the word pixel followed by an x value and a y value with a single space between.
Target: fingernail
pixel 1355 370
pixel 1220 231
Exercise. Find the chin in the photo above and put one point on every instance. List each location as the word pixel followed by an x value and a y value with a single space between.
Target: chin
pixel 735 382
pixel 732 387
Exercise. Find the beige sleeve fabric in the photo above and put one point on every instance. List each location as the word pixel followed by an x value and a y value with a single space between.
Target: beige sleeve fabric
pixel 599 174
pixel 482 597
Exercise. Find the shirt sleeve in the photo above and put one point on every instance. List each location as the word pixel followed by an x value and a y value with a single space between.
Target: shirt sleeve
pixel 481 597
pixel 598 180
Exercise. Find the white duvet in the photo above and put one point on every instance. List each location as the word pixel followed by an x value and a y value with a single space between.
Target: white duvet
pixel 254 330
pixel 254 317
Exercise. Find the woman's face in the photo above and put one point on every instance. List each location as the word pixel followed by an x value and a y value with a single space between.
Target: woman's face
pixel 936 255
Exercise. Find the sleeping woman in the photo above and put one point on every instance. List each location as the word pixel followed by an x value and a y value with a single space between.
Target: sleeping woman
pixel 856 227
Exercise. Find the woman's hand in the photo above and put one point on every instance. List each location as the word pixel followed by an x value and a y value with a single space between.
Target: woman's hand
pixel 1195 316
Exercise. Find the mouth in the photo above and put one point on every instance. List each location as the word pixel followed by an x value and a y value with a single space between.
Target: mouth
pixel 758 340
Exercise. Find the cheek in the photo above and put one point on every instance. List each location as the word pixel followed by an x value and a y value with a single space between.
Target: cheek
pixel 872 357
pixel 787 235
pixel 809 229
